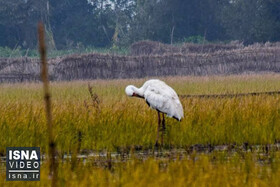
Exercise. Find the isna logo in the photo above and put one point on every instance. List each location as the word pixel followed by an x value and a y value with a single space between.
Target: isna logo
pixel 23 163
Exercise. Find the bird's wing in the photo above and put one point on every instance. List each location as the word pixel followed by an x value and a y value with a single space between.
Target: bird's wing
pixel 154 98
pixel 160 101
pixel 164 99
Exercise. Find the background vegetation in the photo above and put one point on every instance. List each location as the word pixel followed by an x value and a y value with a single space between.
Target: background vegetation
pixel 7 52
pixel 72 24
pixel 148 59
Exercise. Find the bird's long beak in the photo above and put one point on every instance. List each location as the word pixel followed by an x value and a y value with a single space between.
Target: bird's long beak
pixel 136 95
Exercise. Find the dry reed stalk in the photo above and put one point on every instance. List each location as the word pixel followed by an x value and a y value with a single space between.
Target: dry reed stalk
pixel 207 59
pixel 47 98
pixel 95 99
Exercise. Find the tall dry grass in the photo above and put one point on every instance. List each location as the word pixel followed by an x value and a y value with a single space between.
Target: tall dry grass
pixel 106 120
pixel 120 122
pixel 216 60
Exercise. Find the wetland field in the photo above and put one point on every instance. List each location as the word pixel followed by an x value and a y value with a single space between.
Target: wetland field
pixel 104 138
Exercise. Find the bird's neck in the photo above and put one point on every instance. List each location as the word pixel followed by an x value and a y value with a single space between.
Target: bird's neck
pixel 139 92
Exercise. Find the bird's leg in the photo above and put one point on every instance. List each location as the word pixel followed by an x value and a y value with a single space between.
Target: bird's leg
pixel 159 123
pixel 163 128
pixel 163 122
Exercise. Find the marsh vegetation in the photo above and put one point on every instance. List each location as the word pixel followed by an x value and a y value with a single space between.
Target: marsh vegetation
pixel 107 121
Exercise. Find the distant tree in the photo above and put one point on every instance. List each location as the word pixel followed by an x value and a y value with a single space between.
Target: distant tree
pixel 147 21
pixel 18 21
pixel 74 24
pixel 114 17
pixel 195 18
pixel 252 20
pixel 123 10
pixel 173 20
pixel 112 23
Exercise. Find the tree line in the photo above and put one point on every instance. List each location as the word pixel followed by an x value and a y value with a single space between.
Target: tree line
pixel 119 23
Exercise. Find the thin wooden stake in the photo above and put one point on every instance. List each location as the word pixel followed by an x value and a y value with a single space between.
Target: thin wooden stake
pixel 47 98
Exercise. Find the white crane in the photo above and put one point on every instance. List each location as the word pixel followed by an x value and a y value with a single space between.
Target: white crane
pixel 160 97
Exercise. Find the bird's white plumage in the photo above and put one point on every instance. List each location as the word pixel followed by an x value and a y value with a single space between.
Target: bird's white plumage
pixel 159 96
